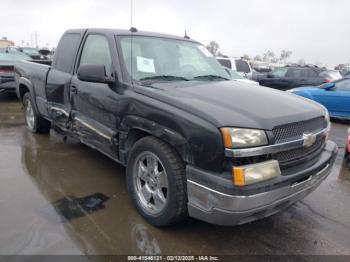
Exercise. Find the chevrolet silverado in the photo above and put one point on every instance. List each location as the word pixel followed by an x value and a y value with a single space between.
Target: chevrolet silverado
pixel 193 142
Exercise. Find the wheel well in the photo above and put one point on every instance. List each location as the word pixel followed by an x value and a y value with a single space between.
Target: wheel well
pixel 133 136
pixel 136 134
pixel 22 90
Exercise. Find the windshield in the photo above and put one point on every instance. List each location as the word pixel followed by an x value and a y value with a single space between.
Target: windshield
pixel 30 51
pixel 169 59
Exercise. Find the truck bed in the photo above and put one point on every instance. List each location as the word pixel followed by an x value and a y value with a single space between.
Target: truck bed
pixel 33 75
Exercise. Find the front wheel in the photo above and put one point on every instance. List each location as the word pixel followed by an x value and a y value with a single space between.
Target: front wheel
pixel 156 182
pixel 35 123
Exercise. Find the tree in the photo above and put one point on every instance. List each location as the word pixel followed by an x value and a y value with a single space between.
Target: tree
pixel 285 54
pixel 213 48
pixel 245 56
pixel 268 56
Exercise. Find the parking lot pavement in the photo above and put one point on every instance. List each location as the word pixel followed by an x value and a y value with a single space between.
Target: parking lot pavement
pixel 64 198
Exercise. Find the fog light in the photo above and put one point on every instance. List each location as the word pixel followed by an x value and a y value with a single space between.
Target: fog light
pixel 250 174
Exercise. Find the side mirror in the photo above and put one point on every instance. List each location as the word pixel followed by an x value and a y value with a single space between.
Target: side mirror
pixel 93 73
pixel 328 86
pixel 269 75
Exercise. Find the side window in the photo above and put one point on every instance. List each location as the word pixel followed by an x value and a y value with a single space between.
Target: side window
pixel 225 62
pixel 309 73
pixel 242 66
pixel 65 53
pixel 294 73
pixel 96 51
pixel 343 85
pixel 279 72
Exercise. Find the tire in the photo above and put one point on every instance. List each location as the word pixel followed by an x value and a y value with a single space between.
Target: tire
pixel 169 205
pixel 34 122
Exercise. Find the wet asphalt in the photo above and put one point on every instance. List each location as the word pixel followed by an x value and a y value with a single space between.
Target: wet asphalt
pixel 65 198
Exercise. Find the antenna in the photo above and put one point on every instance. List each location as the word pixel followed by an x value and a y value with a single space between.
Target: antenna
pixel 132 13
pixel 186 36
pixel 132 28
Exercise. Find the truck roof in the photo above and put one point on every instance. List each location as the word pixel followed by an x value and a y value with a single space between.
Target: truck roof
pixel 128 32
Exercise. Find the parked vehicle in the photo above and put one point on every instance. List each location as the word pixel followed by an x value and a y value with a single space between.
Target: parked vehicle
pixel 237 77
pixel 347 151
pixel 7 76
pixel 239 65
pixel 334 96
pixel 193 141
pixel 288 77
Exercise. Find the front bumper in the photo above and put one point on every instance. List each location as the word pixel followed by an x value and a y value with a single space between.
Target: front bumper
pixel 216 207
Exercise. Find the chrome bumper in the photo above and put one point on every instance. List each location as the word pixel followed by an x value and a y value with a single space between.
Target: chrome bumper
pixel 219 208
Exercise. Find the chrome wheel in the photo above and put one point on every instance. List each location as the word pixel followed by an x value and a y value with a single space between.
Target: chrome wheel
pixel 150 183
pixel 29 114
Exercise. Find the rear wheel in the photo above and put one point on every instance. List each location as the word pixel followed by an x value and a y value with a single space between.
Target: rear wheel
pixel 156 182
pixel 35 123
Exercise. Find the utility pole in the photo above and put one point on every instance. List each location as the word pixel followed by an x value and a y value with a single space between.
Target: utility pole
pixel 36 39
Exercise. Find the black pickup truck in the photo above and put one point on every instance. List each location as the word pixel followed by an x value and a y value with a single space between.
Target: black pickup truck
pixel 193 142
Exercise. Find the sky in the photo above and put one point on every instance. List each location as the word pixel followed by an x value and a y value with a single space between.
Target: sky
pixel 314 30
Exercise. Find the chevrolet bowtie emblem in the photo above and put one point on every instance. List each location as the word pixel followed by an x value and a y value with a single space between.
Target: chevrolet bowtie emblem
pixel 309 139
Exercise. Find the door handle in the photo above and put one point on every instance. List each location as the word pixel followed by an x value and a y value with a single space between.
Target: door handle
pixel 74 89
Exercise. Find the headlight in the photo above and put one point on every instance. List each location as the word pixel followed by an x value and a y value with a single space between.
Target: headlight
pixel 328 119
pixel 243 137
pixel 327 116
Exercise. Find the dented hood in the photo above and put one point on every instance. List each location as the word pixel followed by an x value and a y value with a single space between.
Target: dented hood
pixel 235 104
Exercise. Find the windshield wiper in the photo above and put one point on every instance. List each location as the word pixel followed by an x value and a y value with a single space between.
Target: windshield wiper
pixel 165 77
pixel 211 77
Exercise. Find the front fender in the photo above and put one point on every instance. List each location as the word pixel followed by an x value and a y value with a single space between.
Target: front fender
pixel 198 142
pixel 131 123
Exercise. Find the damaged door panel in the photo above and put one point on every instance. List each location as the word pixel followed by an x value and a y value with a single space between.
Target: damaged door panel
pixel 59 80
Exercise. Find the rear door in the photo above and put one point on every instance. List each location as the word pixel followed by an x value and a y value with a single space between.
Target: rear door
pixel 59 79
pixel 309 78
pixel 243 68
pixel 95 105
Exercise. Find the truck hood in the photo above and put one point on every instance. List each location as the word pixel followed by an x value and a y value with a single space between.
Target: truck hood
pixel 234 104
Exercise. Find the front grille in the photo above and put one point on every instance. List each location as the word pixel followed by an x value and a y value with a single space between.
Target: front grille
pixel 293 131
pixel 299 154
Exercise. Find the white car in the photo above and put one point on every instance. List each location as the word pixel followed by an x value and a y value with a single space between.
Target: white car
pixel 241 66
pixel 235 76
